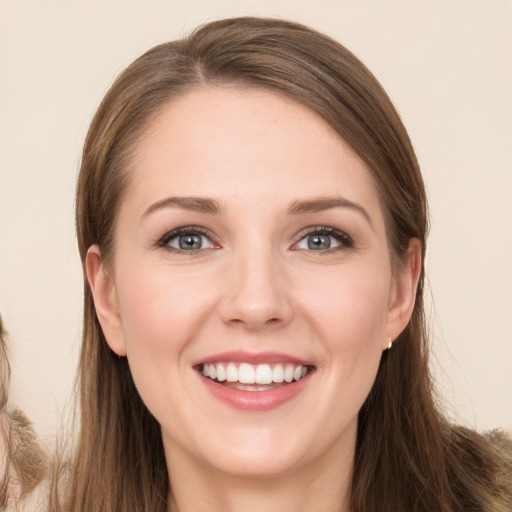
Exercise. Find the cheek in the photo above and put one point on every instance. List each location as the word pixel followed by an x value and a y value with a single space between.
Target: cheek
pixel 159 308
pixel 349 309
pixel 161 314
pixel 349 321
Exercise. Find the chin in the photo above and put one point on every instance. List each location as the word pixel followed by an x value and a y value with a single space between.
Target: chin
pixel 273 451
pixel 260 463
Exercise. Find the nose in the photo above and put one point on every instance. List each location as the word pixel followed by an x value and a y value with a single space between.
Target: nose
pixel 255 293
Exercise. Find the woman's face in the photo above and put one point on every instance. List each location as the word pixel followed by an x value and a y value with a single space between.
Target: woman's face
pixel 251 286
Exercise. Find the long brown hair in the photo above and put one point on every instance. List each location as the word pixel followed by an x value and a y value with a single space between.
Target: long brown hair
pixel 407 456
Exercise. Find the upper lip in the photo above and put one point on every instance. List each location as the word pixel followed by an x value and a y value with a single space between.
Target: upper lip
pixel 240 356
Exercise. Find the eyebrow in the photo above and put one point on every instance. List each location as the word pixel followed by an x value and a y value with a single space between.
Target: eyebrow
pixel 196 204
pixel 320 204
pixel 212 206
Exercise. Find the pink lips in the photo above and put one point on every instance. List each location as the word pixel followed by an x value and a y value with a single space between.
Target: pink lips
pixel 254 400
pixel 254 358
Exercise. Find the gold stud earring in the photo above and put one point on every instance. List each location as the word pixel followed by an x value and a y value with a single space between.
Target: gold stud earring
pixel 390 344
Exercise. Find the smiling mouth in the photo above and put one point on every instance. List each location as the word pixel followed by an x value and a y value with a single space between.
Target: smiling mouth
pixel 254 377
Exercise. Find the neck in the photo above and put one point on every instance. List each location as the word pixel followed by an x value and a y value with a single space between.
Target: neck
pixel 321 485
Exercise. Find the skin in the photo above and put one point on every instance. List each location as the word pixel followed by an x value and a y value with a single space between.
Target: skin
pixel 255 285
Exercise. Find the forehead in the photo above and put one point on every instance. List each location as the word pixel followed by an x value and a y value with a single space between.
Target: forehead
pixel 229 142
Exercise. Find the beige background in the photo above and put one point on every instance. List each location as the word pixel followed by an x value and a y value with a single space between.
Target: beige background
pixel 445 63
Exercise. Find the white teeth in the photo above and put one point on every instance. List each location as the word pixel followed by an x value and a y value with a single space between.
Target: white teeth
pixel 288 373
pixel 221 373
pixel 231 373
pixel 278 373
pixel 251 387
pixel 261 374
pixel 246 374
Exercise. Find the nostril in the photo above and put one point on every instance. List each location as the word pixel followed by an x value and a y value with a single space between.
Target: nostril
pixel 255 296
pixel 256 320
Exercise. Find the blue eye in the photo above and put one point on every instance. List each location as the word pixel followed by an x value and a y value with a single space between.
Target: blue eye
pixel 186 240
pixel 324 239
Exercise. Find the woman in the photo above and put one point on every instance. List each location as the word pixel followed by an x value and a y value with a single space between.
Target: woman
pixel 252 221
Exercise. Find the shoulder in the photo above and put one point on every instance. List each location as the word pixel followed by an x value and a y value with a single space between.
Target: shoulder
pixel 501 440
pixel 481 467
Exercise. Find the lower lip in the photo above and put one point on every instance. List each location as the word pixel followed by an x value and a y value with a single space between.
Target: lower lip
pixel 255 400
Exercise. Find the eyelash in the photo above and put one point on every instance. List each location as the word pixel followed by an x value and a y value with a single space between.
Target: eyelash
pixel 185 230
pixel 344 240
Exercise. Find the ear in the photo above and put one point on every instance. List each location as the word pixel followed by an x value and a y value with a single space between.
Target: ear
pixel 104 295
pixel 403 292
